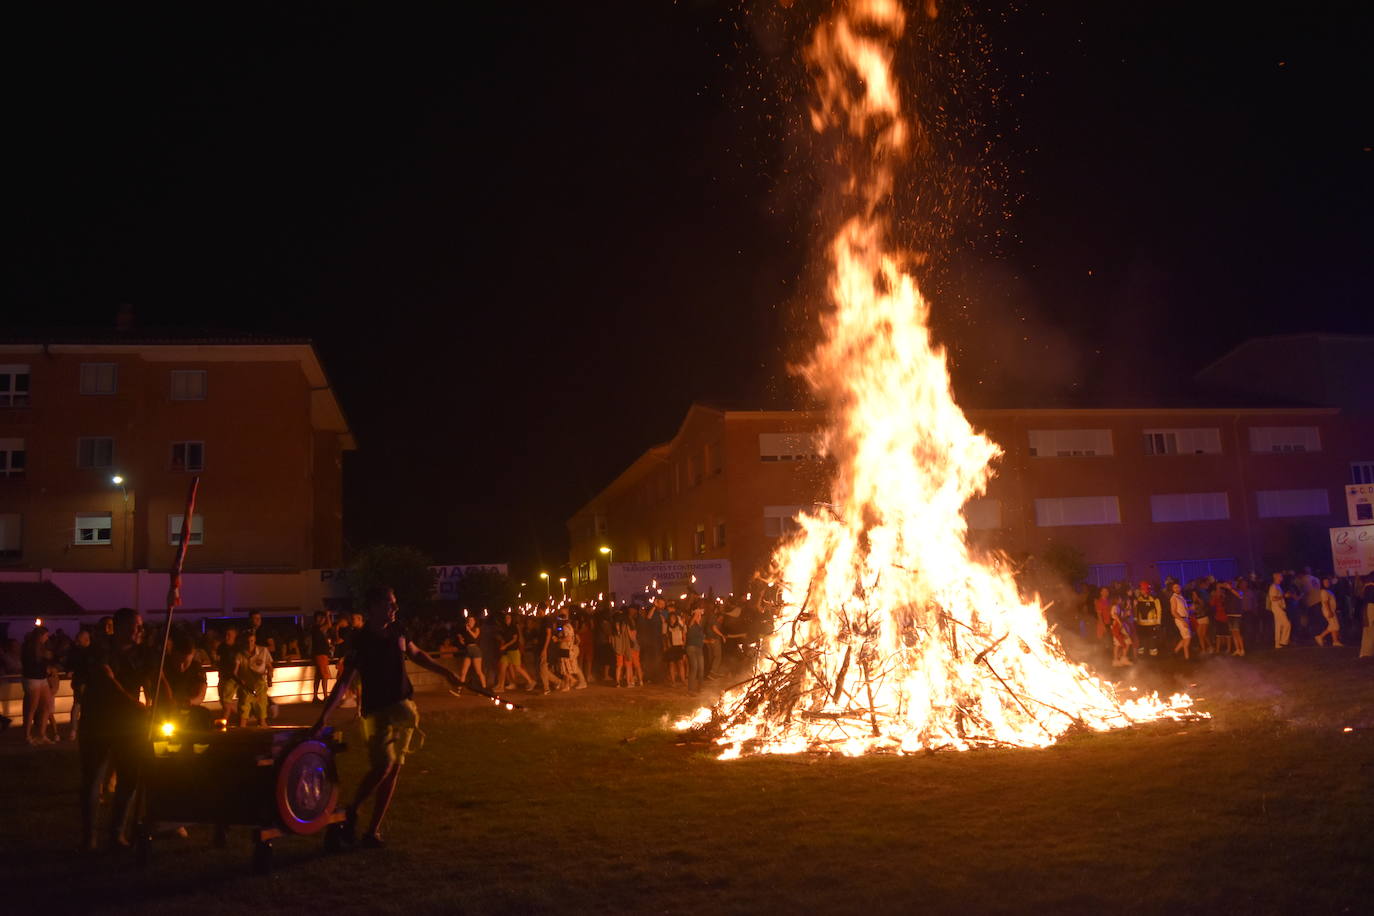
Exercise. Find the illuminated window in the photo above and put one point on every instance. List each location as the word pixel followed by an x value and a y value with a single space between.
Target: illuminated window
pixel 188 384
pixel 92 528
pixel 13 458
pixel 983 514
pixel 1203 441
pixel 14 386
pixel 196 535
pixel 1105 574
pixel 1185 571
pixel 788 447
pixel 11 535
pixel 779 521
pixel 95 452
pixel 699 539
pixel 1293 503
pixel 1362 472
pixel 98 378
pixel 1077 510
pixel 188 456
pixel 719 534
pixel 1070 443
pixel 1189 507
pixel 1285 439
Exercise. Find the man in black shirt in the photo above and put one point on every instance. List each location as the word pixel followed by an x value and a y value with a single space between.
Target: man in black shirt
pixel 113 723
pixel 377 653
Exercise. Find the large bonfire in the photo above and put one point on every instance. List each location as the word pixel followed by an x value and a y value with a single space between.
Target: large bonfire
pixel 892 635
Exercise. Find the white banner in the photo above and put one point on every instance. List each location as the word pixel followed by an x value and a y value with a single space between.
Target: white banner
pixel 1352 550
pixel 674 578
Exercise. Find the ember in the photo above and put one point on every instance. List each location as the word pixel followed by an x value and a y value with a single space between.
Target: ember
pixel 892 635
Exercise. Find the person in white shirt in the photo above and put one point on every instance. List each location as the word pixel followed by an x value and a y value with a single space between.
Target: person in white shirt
pixel 1333 623
pixel 255 674
pixel 1278 606
pixel 1178 609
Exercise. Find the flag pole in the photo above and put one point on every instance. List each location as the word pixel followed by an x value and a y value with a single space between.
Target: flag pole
pixel 173 597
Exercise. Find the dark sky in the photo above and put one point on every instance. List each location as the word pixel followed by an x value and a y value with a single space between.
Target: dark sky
pixel 525 237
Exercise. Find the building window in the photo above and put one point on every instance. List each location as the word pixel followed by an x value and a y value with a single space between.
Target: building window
pixel 788 447
pixel 95 452
pixel 1362 472
pixel 983 514
pixel 188 456
pixel 1293 503
pixel 780 521
pixel 13 458
pixel 1070 443
pixel 197 534
pixel 584 573
pixel 669 548
pixel 11 535
pixel 1206 441
pixel 653 551
pixel 1285 439
pixel 715 462
pixel 693 470
pixel 1103 575
pixel 1077 510
pixel 188 384
pixel 1189 507
pixel 93 528
pixel 718 534
pixel 14 386
pixel 1185 571
pixel 699 540
pixel 98 378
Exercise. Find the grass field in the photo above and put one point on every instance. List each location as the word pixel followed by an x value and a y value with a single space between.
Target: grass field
pixel 585 803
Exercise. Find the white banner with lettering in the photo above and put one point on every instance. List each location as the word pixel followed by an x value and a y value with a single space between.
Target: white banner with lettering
pixel 1352 550
pixel 674 577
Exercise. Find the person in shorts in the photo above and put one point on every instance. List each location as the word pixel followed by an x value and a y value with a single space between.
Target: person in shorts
pixel 378 654
pixel 470 646
pixel 509 646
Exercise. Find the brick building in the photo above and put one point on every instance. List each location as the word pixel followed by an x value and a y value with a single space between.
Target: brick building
pixel 255 418
pixel 1142 492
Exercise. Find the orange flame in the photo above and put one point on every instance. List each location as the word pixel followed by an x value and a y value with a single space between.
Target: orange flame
pixel 892 635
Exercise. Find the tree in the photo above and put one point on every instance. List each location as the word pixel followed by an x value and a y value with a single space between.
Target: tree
pixel 1065 562
pixel 403 569
pixel 482 588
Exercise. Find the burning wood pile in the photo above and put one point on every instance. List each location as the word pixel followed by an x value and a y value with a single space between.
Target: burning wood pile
pixel 892 635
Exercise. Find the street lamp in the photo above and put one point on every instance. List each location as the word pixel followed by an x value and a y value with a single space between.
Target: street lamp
pixel 548 586
pixel 606 552
pixel 563 581
pixel 118 480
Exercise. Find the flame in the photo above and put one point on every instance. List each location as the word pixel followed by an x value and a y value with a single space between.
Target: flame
pixel 892 635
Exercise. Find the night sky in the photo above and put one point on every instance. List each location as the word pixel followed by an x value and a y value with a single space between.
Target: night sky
pixel 525 237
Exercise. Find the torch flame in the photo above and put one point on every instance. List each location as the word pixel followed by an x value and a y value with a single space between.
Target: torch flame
pixel 892 635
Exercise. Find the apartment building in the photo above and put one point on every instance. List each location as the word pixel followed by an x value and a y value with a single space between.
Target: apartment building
pixel 100 437
pixel 1141 492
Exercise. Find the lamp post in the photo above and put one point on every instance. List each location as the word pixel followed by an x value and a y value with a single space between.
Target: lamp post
pixel 548 586
pixel 118 480
pixel 606 552
pixel 563 581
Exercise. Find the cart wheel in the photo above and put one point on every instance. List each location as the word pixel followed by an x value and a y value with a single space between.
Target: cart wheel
pixel 262 857
pixel 333 838
pixel 143 846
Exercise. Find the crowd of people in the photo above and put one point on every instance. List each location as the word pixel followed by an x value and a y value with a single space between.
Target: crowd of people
pixel 1207 616
pixel 544 647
